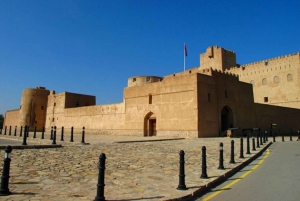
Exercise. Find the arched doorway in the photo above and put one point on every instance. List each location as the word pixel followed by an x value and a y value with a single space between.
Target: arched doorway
pixel 226 118
pixel 150 124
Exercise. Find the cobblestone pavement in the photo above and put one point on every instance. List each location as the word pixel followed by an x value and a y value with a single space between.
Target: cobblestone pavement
pixel 134 171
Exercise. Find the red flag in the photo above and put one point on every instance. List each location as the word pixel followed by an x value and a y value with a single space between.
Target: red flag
pixel 185 50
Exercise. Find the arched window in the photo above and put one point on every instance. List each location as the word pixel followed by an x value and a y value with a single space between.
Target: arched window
pixel 276 79
pixel 264 81
pixel 289 77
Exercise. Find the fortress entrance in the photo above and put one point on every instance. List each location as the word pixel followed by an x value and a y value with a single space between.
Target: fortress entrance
pixel 226 118
pixel 150 124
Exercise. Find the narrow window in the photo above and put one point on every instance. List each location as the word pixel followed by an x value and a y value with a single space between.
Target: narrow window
pixel 266 99
pixel 148 79
pixel 266 63
pixel 134 79
pixel 208 97
pixel 150 99
pixel 52 119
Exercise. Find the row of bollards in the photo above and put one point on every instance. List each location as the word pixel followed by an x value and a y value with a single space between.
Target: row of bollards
pixel 52 134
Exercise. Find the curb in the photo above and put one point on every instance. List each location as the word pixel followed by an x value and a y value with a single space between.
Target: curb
pixel 204 189
pixel 33 146
pixel 149 140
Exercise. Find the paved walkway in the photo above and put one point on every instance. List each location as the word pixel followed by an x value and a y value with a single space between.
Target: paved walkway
pixel 134 171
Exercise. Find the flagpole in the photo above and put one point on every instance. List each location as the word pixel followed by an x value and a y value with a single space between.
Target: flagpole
pixel 184 57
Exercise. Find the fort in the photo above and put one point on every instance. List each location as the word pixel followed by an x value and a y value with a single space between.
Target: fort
pixel 200 102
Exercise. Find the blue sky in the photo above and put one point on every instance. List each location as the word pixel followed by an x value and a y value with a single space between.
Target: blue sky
pixel 92 47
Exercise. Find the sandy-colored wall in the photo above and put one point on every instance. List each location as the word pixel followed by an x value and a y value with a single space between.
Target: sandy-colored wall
pixel 11 118
pixel 285 92
pixel 174 103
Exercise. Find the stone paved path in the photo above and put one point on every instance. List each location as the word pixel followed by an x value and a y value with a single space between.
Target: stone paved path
pixel 134 171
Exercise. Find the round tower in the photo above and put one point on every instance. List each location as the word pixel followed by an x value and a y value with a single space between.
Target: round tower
pixel 33 108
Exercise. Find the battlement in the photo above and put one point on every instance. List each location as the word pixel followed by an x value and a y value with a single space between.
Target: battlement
pixel 271 59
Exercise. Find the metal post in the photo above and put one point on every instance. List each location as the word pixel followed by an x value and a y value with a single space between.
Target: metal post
pixel 257 139
pixel 242 149
pixel 204 167
pixel 267 136
pixel 273 132
pixel 248 144
pixel 298 136
pixel 25 136
pixel 232 152
pixel 100 185
pixel 4 190
pixel 221 164
pixel 21 131
pixel 181 185
pixel 54 135
pixel 264 137
pixel 51 134
pixel 43 133
pixel 9 132
pixel 62 134
pixel 282 136
pixel 253 144
pixel 72 130
pixel 15 131
pixel 261 141
pixel 82 138
pixel 34 132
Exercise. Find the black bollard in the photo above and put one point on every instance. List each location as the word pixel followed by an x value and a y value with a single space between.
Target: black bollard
pixel 4 190
pixel 232 152
pixel 282 136
pixel 0 130
pixel 242 149
pixel 261 141
pixel 181 185
pixel 72 130
pixel 21 131
pixel 51 134
pixel 15 132
pixel 27 131
pixel 257 139
pixel 264 137
pixel 43 133
pixel 25 136
pixel 62 134
pixel 298 136
pixel 253 144
pixel 100 185
pixel 221 164
pixel 82 138
pixel 273 132
pixel 34 132
pixel 204 168
pixel 5 130
pixel 248 145
pixel 291 138
pixel 54 135
pixel 9 132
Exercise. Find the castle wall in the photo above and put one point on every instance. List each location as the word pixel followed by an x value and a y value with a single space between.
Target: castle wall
pixel 275 81
pixel 173 102
pixel 11 118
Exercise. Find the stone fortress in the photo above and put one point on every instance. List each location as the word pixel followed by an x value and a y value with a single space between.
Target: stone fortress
pixel 200 102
